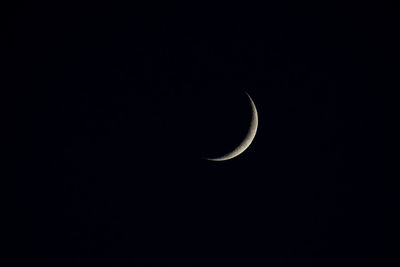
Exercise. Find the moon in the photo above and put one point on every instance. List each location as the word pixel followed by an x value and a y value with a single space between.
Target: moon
pixel 248 138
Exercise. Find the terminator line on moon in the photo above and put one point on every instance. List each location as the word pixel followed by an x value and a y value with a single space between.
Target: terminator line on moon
pixel 248 138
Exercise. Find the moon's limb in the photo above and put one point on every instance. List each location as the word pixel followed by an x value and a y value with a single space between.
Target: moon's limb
pixel 247 140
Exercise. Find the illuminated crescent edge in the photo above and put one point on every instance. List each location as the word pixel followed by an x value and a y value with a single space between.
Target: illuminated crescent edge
pixel 248 138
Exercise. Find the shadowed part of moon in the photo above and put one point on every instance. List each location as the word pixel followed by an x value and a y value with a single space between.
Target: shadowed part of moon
pixel 247 140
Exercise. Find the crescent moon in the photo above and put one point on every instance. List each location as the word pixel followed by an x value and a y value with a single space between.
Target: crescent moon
pixel 248 138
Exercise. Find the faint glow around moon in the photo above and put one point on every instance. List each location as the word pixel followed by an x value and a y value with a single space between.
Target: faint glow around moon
pixel 247 140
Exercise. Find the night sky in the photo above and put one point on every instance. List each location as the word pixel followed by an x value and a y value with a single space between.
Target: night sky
pixel 113 108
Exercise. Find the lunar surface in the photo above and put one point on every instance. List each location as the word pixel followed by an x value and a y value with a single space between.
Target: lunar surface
pixel 248 138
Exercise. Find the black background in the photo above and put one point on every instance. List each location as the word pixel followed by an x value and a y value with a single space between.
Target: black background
pixel 114 106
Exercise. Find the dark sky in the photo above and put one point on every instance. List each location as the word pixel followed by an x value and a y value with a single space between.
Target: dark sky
pixel 115 105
